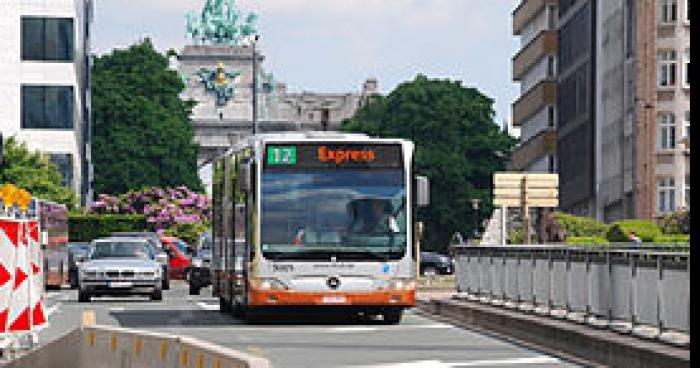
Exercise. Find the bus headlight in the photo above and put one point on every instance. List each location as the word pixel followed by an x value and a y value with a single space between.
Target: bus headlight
pixel 267 284
pixel 402 284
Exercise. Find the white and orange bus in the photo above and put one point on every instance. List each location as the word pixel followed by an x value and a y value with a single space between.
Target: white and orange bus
pixel 316 220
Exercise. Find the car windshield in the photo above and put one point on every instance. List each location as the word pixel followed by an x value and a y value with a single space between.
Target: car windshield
pixel 346 213
pixel 118 249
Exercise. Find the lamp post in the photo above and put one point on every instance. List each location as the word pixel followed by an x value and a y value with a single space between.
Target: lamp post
pixel 254 41
pixel 475 207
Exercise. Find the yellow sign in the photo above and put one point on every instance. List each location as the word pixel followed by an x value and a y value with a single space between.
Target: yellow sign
pixel 541 190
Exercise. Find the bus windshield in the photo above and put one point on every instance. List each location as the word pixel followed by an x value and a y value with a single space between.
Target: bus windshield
pixel 346 213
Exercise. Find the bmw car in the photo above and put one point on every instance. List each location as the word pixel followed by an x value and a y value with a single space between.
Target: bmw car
pixel 121 266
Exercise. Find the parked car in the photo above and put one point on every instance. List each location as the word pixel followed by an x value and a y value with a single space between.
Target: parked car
pixel 435 264
pixel 121 266
pixel 78 253
pixel 179 256
pixel 157 244
pixel 199 275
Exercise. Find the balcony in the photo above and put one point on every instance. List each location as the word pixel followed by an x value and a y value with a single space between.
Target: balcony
pixel 544 93
pixel 544 44
pixel 544 143
pixel 526 11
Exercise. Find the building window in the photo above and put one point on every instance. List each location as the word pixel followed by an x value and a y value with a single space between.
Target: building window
pixel 552 17
pixel 667 131
pixel 631 29
pixel 687 10
pixel 686 68
pixel 47 39
pixel 551 117
pixel 47 107
pixel 666 195
pixel 551 67
pixel 667 68
pixel 686 125
pixel 64 163
pixel 667 11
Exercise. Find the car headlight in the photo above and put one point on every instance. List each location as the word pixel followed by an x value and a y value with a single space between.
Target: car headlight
pixel 267 284
pixel 402 284
pixel 197 262
pixel 89 273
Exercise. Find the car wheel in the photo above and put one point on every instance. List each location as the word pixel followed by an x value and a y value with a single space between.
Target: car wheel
pixel 73 280
pixel 83 297
pixel 157 295
pixel 223 306
pixel 393 316
pixel 194 289
pixel 166 282
pixel 238 311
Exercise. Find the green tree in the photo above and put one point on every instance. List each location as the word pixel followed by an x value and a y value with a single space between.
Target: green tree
pixel 142 135
pixel 458 147
pixel 34 172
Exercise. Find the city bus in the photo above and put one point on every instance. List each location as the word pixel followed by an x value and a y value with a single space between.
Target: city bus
pixel 316 220
pixel 53 227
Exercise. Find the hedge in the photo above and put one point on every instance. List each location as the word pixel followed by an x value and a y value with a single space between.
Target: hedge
pixel 586 240
pixel 645 230
pixel 85 228
pixel 673 238
pixel 576 226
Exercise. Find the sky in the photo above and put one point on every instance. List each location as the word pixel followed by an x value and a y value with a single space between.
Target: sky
pixel 335 45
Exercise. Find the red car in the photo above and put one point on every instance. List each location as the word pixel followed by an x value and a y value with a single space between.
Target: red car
pixel 178 257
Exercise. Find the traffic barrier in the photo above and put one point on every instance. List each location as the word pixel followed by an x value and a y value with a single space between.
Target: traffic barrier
pixel 641 292
pixel 116 347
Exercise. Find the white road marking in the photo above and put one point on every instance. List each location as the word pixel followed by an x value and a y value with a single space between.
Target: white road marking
pixel 475 363
pixel 52 309
pixel 209 307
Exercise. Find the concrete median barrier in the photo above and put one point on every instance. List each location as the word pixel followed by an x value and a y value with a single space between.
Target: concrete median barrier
pixel 575 342
pixel 115 347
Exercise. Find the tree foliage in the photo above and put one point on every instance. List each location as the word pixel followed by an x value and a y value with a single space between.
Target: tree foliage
pixel 142 136
pixel 34 172
pixel 458 147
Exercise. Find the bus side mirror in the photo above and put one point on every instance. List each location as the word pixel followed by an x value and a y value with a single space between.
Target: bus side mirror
pixel 422 191
pixel 244 176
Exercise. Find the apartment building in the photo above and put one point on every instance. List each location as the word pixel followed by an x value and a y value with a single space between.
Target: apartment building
pixel 45 82
pixel 672 106
pixel 534 67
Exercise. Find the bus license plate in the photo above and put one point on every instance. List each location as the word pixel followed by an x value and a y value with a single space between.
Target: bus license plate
pixel 335 299
pixel 120 284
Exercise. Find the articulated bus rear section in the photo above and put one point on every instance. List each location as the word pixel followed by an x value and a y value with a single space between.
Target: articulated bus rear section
pixel 316 221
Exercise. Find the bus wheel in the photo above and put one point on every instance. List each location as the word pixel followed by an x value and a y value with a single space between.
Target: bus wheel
pixel 238 312
pixel 223 306
pixel 393 316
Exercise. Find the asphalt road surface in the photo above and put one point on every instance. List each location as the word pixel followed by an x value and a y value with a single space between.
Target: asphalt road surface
pixel 300 341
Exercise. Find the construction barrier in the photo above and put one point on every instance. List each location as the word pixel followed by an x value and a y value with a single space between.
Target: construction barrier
pixel 21 277
pixel 115 347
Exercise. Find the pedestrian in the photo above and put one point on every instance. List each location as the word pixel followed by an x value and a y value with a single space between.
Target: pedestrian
pixel 634 238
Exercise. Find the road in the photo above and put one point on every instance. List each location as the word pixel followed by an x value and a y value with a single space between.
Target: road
pixel 309 342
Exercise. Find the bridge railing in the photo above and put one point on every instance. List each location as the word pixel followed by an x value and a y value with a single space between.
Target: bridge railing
pixel 643 290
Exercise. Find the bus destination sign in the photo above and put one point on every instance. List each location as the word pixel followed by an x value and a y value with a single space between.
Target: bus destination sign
pixel 330 156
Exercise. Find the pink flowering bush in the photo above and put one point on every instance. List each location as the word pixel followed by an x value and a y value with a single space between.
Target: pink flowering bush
pixel 177 211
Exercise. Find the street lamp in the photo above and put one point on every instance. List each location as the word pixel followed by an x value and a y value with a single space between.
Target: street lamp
pixel 475 207
pixel 252 40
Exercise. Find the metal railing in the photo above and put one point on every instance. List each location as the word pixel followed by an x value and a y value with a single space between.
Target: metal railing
pixel 643 290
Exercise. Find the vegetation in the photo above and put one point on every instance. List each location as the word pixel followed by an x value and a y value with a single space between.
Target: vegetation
pixel 676 223
pixel 86 227
pixel 673 238
pixel 178 212
pixel 586 240
pixel 34 172
pixel 458 147
pixel 645 230
pixel 142 136
pixel 578 226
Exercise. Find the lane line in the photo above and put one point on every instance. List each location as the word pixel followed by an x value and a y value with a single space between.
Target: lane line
pixel 539 360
